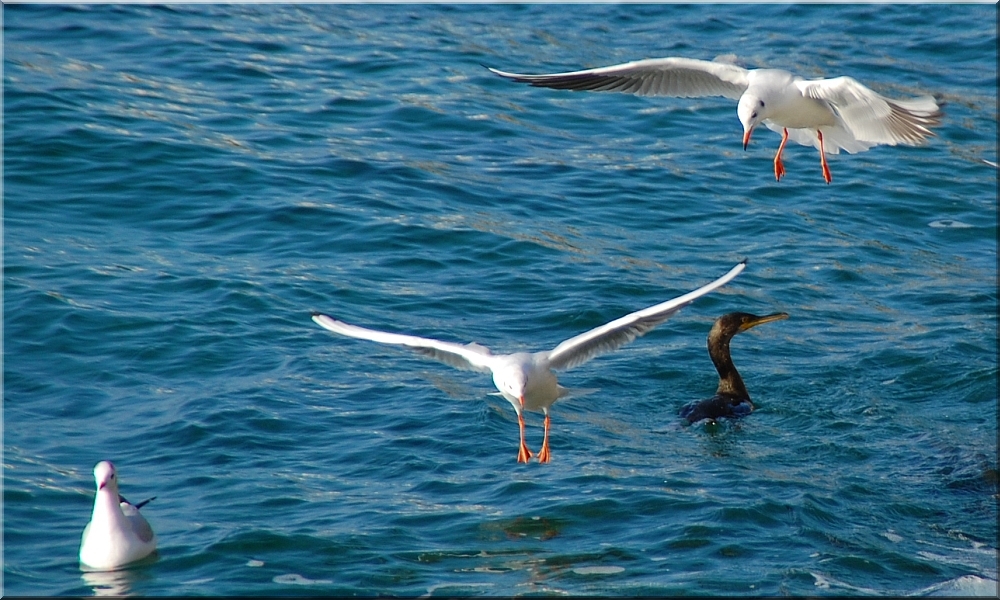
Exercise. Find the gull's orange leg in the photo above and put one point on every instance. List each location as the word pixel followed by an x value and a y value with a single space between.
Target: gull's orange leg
pixel 543 455
pixel 822 158
pixel 779 169
pixel 523 454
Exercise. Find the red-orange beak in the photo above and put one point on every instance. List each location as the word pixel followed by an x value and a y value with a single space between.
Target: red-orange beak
pixel 746 137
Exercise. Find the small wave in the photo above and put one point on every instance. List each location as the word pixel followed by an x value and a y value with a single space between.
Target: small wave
pixel 431 589
pixel 949 224
pixel 296 579
pixel 598 570
pixel 967 585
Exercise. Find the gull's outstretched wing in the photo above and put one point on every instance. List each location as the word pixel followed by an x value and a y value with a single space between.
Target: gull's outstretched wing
pixel 470 357
pixel 874 118
pixel 578 350
pixel 678 77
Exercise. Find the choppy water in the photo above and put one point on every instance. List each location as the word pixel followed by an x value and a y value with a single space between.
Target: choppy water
pixel 184 185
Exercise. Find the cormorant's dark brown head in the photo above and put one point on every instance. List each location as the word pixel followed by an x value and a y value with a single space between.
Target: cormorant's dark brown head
pixel 728 325
pixel 723 330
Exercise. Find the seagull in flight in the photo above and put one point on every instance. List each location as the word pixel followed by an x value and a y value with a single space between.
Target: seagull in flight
pixel 830 114
pixel 526 379
pixel 117 534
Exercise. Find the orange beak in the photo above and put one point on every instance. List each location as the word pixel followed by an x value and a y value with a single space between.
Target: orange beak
pixel 746 137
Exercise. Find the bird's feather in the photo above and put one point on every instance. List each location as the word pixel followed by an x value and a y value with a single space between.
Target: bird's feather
pixel 139 524
pixel 835 138
pixel 579 349
pixel 677 77
pixel 873 118
pixel 122 500
pixel 470 357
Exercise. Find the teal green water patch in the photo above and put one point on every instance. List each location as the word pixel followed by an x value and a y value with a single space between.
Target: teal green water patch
pixel 185 185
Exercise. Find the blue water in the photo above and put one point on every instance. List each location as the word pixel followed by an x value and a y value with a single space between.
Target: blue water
pixel 184 185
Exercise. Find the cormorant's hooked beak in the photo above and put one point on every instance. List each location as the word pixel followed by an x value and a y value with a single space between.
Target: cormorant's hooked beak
pixel 750 323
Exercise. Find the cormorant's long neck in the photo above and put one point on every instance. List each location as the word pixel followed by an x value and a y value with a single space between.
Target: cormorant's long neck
pixel 730 382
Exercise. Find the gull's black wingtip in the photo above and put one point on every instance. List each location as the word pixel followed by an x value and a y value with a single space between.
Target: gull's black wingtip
pixel 137 506
pixel 744 261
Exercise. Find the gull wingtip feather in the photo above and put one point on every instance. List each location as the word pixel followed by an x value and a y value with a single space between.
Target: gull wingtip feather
pixel 505 74
pixel 325 321
pixel 740 266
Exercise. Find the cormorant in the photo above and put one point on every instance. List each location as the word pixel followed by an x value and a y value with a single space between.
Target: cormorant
pixel 732 398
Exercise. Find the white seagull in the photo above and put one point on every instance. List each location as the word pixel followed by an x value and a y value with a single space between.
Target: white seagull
pixel 829 114
pixel 526 379
pixel 117 534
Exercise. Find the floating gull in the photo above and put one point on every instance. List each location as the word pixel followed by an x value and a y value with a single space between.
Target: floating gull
pixel 117 534
pixel 829 114
pixel 731 399
pixel 526 379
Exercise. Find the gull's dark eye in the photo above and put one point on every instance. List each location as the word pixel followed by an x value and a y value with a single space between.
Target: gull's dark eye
pixel 754 115
pixel 761 103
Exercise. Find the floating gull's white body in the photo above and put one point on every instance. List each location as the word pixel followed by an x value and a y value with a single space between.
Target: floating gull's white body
pixel 526 379
pixel 117 534
pixel 829 114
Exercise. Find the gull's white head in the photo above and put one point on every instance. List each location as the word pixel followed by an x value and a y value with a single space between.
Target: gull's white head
pixel 511 381
pixel 104 475
pixel 751 110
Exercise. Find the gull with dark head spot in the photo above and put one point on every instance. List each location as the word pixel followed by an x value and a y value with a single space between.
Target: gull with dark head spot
pixel 526 379
pixel 117 534
pixel 830 114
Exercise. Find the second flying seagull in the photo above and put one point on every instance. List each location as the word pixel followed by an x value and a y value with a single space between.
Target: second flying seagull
pixel 829 114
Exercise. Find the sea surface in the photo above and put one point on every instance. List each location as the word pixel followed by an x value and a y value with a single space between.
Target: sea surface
pixel 184 185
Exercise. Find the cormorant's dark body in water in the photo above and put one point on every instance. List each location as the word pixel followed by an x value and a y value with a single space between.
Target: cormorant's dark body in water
pixel 732 398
